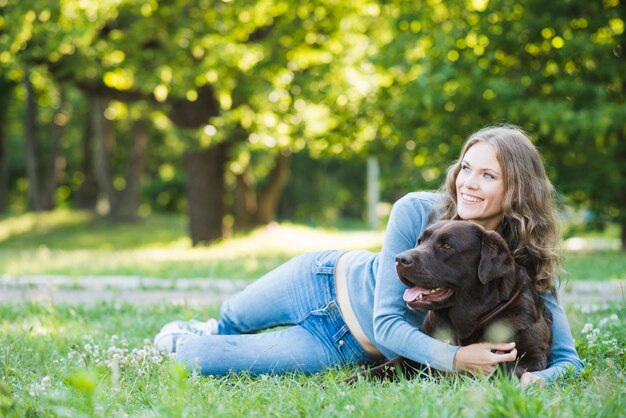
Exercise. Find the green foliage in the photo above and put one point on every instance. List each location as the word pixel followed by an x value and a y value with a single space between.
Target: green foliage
pixel 405 81
pixel 324 191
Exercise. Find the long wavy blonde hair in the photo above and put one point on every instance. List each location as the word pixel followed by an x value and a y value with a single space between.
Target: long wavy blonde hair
pixel 530 222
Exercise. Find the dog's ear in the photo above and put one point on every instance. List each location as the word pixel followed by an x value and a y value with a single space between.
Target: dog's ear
pixel 496 260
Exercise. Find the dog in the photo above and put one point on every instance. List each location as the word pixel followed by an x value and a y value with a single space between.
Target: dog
pixel 473 291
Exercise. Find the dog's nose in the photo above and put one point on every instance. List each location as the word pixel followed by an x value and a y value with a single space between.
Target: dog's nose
pixel 404 259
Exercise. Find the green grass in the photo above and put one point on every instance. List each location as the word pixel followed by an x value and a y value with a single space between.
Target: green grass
pixel 49 364
pixel 78 244
pixel 595 265
pixel 47 369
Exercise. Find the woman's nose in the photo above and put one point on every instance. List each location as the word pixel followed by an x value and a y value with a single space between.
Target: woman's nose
pixel 471 182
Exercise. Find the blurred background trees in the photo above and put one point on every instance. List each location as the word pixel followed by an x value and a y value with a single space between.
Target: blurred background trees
pixel 241 112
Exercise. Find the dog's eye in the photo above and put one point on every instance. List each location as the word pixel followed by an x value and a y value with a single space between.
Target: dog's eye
pixel 446 246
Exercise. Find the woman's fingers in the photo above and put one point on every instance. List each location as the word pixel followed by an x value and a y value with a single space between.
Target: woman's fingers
pixel 504 356
pixel 528 379
pixel 484 357
pixel 501 346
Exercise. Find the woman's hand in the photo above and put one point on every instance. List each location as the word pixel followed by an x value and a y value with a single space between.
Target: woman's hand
pixel 483 358
pixel 528 379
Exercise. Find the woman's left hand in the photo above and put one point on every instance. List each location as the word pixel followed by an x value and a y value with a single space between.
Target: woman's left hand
pixel 528 379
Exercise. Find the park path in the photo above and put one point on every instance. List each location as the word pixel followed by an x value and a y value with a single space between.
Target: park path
pixel 130 289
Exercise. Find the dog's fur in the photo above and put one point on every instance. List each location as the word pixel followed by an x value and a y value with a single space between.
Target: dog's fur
pixel 476 273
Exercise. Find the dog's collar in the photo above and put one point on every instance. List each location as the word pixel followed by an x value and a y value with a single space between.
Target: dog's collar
pixel 489 316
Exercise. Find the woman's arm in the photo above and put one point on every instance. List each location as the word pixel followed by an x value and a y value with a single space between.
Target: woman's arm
pixel 563 357
pixel 394 332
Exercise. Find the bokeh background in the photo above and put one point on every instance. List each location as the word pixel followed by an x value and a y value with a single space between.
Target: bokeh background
pixel 235 113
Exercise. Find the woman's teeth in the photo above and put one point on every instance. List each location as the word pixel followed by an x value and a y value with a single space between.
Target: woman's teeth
pixel 471 198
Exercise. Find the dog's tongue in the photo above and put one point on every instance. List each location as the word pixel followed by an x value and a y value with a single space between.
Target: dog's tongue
pixel 413 293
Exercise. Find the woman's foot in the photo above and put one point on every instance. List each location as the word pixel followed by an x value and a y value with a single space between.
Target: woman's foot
pixel 174 334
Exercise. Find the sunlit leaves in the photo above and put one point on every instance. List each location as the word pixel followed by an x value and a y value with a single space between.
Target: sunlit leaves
pixel 119 79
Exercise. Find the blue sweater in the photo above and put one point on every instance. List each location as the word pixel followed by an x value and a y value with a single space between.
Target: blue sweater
pixel 376 298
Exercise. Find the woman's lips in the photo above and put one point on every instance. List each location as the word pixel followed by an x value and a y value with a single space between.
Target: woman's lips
pixel 467 198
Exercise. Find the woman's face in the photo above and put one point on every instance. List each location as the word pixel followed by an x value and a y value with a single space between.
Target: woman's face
pixel 480 186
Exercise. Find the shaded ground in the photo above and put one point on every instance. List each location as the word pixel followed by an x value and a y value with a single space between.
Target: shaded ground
pixel 85 290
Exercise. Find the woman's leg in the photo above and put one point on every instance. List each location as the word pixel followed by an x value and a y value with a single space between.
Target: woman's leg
pixel 320 341
pixel 283 296
pixel 292 349
pixel 301 293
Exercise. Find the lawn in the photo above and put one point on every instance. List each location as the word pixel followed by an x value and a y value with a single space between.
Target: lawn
pixel 93 361
pixel 61 360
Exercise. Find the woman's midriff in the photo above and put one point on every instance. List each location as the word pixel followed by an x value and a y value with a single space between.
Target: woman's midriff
pixel 343 299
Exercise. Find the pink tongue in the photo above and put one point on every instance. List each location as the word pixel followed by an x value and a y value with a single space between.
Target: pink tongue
pixel 411 294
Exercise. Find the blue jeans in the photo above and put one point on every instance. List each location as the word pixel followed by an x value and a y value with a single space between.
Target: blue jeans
pixel 299 294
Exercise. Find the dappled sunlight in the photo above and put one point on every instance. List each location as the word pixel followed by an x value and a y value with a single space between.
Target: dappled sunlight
pixel 499 331
pixel 32 222
pixel 44 327
pixel 296 239
pixel 68 230
pixel 244 257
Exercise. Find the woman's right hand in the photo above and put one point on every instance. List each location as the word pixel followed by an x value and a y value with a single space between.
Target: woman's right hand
pixel 483 358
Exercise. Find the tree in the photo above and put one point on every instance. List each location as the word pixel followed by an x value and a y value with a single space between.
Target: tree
pixel 223 73
pixel 556 69
pixel 559 69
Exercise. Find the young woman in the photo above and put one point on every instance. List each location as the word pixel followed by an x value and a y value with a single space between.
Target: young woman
pixel 347 307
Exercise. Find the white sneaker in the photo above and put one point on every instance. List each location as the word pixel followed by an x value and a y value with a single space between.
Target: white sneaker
pixel 194 326
pixel 174 334
pixel 169 342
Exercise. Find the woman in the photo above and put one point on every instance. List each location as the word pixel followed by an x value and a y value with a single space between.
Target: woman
pixel 347 307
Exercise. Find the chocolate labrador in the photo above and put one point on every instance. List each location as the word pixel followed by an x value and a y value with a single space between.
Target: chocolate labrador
pixel 467 280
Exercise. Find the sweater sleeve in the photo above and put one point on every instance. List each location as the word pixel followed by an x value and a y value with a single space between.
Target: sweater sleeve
pixel 563 357
pixel 392 330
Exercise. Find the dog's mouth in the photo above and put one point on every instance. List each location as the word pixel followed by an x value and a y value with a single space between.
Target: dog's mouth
pixel 420 298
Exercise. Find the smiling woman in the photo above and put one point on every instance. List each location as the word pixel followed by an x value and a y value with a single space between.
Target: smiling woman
pixel 347 307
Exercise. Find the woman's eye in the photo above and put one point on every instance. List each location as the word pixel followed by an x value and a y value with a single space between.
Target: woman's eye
pixel 489 176
pixel 465 168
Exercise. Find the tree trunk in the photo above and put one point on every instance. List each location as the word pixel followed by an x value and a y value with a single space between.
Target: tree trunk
pixel 127 201
pixel 245 201
pixel 57 164
pixel 102 130
pixel 373 191
pixel 87 195
pixel 6 87
pixel 30 126
pixel 270 196
pixel 621 140
pixel 621 158
pixel 4 165
pixel 205 193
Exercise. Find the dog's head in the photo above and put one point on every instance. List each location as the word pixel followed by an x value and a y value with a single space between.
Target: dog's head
pixel 452 258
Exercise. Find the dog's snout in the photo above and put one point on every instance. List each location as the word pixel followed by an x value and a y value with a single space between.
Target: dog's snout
pixel 404 259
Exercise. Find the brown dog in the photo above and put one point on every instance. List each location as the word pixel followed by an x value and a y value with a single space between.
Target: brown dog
pixel 467 280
